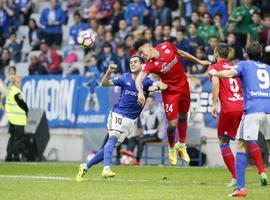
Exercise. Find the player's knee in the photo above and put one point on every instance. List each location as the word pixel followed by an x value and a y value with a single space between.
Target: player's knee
pixel 223 141
pixel 241 145
pixel 172 124
pixel 114 133
pixel 182 115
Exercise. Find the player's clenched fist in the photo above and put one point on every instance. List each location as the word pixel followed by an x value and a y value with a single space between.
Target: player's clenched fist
pixel 141 98
pixel 112 68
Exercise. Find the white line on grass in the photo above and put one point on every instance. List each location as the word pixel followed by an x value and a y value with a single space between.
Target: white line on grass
pixel 166 181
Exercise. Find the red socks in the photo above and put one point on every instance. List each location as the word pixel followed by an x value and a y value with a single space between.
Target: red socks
pixel 171 136
pixel 255 153
pixel 182 129
pixel 228 158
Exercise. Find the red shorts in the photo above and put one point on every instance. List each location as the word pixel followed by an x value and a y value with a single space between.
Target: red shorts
pixel 228 124
pixel 175 102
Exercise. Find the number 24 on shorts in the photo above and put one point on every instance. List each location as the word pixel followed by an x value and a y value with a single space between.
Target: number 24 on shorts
pixel 168 108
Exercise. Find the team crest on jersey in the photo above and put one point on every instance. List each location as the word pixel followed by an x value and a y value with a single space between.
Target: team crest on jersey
pixel 156 63
pixel 167 51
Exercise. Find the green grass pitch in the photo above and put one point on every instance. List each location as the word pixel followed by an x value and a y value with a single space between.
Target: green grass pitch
pixel 55 181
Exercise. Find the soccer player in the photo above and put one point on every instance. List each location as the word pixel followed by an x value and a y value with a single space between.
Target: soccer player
pixel 229 93
pixel 163 60
pixel 123 117
pixel 255 79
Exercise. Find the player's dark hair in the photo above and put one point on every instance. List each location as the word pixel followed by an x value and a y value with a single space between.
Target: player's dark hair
pixel 254 51
pixel 223 50
pixel 140 42
pixel 142 61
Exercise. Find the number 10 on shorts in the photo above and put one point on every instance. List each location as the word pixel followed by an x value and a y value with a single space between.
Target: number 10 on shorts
pixel 168 108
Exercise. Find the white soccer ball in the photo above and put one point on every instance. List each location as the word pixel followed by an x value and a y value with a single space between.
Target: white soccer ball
pixel 126 160
pixel 86 38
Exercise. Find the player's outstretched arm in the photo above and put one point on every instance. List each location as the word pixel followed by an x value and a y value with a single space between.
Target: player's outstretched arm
pixel 224 73
pixel 157 86
pixel 192 58
pixel 106 78
pixel 215 92
pixel 139 86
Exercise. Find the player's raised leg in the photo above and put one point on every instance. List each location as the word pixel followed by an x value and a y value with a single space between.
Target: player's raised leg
pixel 171 140
pixel 182 131
pixel 83 168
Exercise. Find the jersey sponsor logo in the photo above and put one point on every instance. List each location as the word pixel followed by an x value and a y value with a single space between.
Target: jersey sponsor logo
pixel 167 51
pixel 167 67
pixel 131 93
pixel 164 46
pixel 226 66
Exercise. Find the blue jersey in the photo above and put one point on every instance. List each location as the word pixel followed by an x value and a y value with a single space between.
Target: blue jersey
pixel 255 78
pixel 127 104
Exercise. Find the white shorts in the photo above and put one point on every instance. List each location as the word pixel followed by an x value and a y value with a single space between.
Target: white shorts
pixel 251 124
pixel 126 126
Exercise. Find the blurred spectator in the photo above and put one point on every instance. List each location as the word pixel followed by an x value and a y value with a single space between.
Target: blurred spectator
pixel 178 23
pixel 72 5
pixel 202 9
pixel 50 59
pixel 123 63
pixel 151 128
pixel 110 39
pixel 106 58
pixel 129 45
pixel 135 24
pixel 217 23
pixel 218 7
pixel 241 19
pixel 53 18
pixel 5 61
pixel 237 48
pixel 194 39
pixel 206 30
pixel 158 35
pixel 35 34
pixel 147 34
pixel 15 48
pixel 5 14
pixel 90 10
pixel 35 68
pixel 15 20
pixel 92 81
pixel 93 24
pixel 255 28
pixel 265 39
pixel 183 43
pixel 195 19
pixel 104 11
pixel 123 32
pixel 25 9
pixel 99 40
pixel 76 28
pixel 135 9
pixel 160 14
pixel 197 68
pixel 117 16
pixel 213 41
pixel 167 34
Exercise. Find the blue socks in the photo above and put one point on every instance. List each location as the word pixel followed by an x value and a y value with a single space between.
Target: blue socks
pixel 96 159
pixel 241 163
pixel 108 150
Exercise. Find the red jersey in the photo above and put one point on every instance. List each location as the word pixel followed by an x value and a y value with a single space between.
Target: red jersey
pixel 230 89
pixel 168 67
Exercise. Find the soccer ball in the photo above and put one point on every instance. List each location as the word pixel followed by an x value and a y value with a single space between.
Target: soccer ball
pixel 126 160
pixel 86 38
